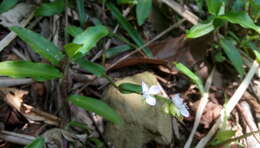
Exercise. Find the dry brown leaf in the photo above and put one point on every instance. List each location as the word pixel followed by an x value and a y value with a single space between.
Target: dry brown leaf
pixel 211 112
pixel 14 98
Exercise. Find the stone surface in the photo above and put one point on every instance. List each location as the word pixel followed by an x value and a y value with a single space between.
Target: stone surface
pixel 142 123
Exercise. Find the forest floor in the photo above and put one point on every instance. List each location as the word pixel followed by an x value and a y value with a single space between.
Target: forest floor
pixel 30 108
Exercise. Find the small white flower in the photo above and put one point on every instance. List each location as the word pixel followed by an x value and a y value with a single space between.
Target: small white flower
pixel 182 107
pixel 149 92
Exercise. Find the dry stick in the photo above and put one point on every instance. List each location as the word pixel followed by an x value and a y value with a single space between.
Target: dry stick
pixel 230 105
pixel 16 138
pixel 182 11
pixel 202 105
pixel 11 36
pixel 9 82
pixel 148 43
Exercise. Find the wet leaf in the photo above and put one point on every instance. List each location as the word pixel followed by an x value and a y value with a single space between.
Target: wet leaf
pixel 7 4
pixel 39 44
pixel 97 106
pixel 23 69
pixel 143 10
pixel 49 9
pixel 37 143
pixel 233 55
pixel 128 88
pixel 128 27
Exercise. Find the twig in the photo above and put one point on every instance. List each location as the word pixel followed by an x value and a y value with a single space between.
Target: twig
pixel 182 11
pixel 16 138
pixel 98 131
pixel 230 105
pixel 9 82
pixel 148 43
pixel 11 36
pixel 202 105
pixel 246 113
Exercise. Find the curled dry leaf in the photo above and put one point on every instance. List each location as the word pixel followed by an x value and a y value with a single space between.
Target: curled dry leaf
pixel 14 98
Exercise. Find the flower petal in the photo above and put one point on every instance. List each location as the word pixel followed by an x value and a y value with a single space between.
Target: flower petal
pixel 145 88
pixel 184 111
pixel 150 100
pixel 155 89
pixel 177 100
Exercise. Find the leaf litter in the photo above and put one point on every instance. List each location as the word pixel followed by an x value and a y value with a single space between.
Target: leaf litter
pixel 41 103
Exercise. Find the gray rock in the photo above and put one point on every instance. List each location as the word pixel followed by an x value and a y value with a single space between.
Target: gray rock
pixel 142 123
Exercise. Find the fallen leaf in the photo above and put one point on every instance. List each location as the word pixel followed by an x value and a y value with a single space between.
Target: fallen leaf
pixel 137 61
pixel 210 114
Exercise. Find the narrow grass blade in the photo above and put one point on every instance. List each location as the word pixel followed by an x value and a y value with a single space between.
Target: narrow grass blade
pixel 191 75
pixel 128 27
pixel 81 11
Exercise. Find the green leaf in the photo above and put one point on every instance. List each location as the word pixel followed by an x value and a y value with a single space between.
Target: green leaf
pixel 128 27
pixel 37 143
pixel 81 11
pixel 71 48
pixel 91 67
pixel 49 9
pixel 73 30
pixel 238 5
pixel 126 1
pixel 97 106
pixel 22 69
pixel 222 136
pixel 214 6
pixel 111 52
pixel 233 55
pixel 191 75
pixel 78 124
pixel 255 4
pixel 200 30
pixel 98 143
pixel 143 10
pixel 241 18
pixel 7 4
pixel 128 88
pixel 39 44
pixel 255 50
pixel 88 39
